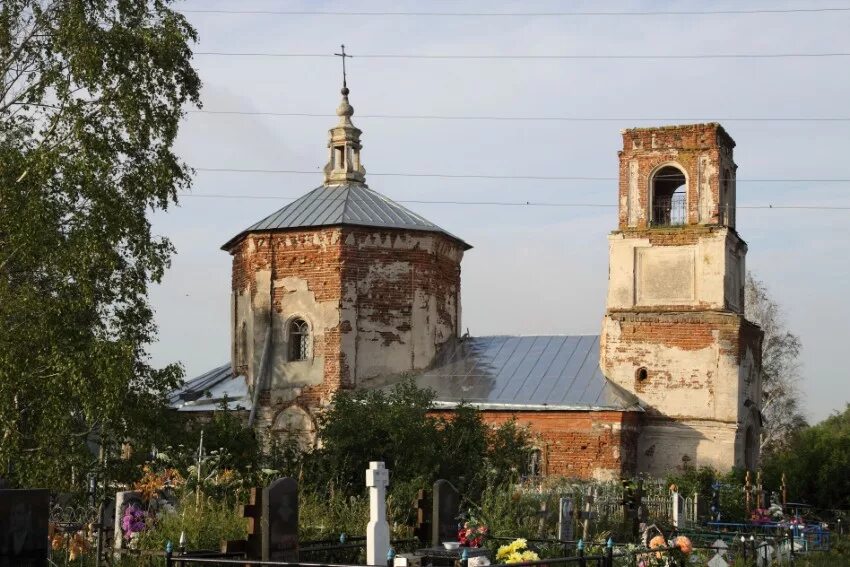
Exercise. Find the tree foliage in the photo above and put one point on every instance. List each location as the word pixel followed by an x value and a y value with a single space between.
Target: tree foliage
pixel 780 376
pixel 417 446
pixel 92 95
pixel 816 463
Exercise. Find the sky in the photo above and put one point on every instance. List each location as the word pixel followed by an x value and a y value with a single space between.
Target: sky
pixel 533 270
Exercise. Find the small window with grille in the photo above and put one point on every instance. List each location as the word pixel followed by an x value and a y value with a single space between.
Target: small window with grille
pixel 299 340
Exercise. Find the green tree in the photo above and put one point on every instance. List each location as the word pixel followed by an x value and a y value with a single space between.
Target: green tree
pixel 816 463
pixel 374 425
pixel 93 92
pixel 418 445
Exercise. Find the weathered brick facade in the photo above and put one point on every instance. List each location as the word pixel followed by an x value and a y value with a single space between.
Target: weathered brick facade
pixel 377 302
pixel 703 152
pixel 674 331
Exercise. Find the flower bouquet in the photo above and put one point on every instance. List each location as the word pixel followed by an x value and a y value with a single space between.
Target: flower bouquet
pixel 472 533
pixel 516 552
pixel 133 522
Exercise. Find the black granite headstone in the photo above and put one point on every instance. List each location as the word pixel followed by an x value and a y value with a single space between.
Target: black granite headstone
pixel 446 508
pixel 280 520
pixel 24 517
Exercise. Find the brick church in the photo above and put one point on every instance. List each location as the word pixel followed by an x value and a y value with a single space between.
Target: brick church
pixel 345 288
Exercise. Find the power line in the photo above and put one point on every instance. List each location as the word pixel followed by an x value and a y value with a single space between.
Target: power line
pixel 520 14
pixel 533 118
pixel 533 56
pixel 487 176
pixel 507 203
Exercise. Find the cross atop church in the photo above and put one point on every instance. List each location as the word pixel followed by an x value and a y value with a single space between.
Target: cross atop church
pixel 343 55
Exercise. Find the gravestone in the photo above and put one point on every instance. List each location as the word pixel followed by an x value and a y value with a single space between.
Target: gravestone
pixel 444 517
pixel 23 527
pixel 280 520
pixel 122 501
pixel 565 519
pixel 377 530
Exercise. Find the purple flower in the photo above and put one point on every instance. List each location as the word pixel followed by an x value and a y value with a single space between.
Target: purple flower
pixel 133 520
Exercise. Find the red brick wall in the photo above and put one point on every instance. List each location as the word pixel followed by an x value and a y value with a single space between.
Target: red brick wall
pixel 578 444
pixel 683 145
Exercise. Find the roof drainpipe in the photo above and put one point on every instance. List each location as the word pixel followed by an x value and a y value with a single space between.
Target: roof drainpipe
pixel 260 382
pixel 267 346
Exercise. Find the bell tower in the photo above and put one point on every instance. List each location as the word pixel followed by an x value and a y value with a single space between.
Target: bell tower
pixel 674 331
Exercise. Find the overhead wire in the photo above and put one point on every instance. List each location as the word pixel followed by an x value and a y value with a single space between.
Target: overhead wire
pixel 505 203
pixel 516 177
pixel 532 118
pixel 533 56
pixel 522 14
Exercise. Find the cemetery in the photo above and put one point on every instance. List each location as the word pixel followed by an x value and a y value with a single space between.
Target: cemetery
pixel 197 506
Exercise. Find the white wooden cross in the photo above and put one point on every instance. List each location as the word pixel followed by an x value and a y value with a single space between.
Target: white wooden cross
pixel 377 530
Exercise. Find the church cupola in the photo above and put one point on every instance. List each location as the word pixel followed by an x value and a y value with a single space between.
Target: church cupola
pixel 344 147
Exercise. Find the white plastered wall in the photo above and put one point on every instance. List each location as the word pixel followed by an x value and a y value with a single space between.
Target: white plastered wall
pixel 643 275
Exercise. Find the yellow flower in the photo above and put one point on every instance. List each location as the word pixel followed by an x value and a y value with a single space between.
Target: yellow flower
pixel 513 552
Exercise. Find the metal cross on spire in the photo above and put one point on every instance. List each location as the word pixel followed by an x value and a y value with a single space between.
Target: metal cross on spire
pixel 343 55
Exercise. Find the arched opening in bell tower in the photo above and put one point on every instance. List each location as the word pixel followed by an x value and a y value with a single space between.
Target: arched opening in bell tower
pixel 668 197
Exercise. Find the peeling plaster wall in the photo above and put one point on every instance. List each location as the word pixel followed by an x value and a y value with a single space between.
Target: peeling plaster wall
pixel 288 275
pixel 376 302
pixel 700 369
pixel 692 268
pixel 403 293
pixel 674 332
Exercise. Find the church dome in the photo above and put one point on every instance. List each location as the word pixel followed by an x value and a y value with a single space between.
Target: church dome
pixel 343 199
pixel 347 203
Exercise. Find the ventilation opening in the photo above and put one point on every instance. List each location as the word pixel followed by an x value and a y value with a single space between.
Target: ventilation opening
pixel 668 197
pixel 641 374
pixel 339 157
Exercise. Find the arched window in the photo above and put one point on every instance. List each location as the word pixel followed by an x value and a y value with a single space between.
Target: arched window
pixel 535 462
pixel 299 340
pixel 669 199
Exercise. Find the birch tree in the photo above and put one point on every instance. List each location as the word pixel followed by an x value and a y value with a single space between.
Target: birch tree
pixel 91 96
